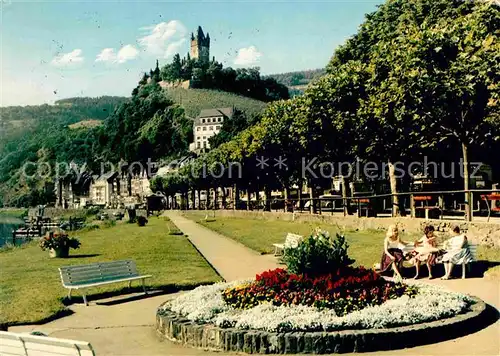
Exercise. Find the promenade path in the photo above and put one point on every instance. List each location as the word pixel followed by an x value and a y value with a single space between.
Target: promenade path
pixel 229 258
pixel 127 328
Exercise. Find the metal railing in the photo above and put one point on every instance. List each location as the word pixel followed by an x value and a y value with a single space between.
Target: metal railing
pixel 428 204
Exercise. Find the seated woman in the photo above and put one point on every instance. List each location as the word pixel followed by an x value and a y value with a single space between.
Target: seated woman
pixel 426 251
pixel 393 255
pixel 457 252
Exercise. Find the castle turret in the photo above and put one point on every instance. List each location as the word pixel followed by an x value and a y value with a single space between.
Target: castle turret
pixel 200 45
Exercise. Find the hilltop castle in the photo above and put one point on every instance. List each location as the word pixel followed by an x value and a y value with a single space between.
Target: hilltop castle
pixel 200 46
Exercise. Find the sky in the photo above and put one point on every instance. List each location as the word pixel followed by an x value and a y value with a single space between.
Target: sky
pixel 58 49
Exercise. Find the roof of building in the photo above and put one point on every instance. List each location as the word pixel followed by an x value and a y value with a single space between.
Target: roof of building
pixel 106 176
pixel 216 112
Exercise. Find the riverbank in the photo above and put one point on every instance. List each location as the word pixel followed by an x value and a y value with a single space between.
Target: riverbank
pixel 7 224
pixel 13 212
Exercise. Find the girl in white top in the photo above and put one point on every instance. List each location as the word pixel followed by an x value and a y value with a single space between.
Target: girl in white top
pixel 457 252
pixel 426 251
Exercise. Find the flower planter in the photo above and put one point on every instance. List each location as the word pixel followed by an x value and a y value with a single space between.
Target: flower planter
pixel 61 252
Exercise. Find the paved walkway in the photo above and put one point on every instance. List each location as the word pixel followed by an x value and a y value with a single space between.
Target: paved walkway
pixel 119 329
pixel 229 258
pixel 127 327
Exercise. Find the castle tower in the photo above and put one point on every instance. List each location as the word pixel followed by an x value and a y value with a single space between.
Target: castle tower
pixel 200 46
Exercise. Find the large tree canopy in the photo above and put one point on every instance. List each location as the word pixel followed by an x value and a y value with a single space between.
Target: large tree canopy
pixel 415 74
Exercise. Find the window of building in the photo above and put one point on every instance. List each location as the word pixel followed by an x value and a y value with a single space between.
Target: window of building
pixel 202 121
pixel 211 128
pixel 198 128
pixel 204 128
pixel 220 119
pixel 204 145
pixel 198 138
pixel 198 145
pixel 217 127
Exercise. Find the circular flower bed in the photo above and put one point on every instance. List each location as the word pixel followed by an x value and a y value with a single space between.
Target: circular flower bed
pixel 311 300
pixel 417 303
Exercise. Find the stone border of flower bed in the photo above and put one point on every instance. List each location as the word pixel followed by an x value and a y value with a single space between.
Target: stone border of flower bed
pixel 174 327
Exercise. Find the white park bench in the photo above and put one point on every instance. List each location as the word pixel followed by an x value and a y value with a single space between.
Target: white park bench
pixel 98 274
pixel 291 240
pixel 472 248
pixel 31 345
pixel 465 266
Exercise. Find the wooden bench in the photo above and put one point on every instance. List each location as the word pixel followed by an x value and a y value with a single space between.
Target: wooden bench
pixel 433 211
pixel 32 345
pixel 492 207
pixel 290 241
pixel 98 274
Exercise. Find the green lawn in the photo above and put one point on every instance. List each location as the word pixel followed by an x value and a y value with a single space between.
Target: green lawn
pixel 260 234
pixel 31 290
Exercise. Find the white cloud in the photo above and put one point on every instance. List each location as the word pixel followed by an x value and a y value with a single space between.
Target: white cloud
pixel 163 38
pixel 126 53
pixel 247 56
pixel 174 47
pixel 70 58
pixel 106 55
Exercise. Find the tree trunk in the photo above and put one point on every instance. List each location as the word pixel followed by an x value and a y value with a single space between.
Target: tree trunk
pixel 286 194
pixel 223 198
pixel 394 190
pixel 311 197
pixel 216 197
pixel 248 199
pixel 345 203
pixel 299 195
pixel 199 199
pixel 236 195
pixel 207 202
pixel 268 198
pixel 468 203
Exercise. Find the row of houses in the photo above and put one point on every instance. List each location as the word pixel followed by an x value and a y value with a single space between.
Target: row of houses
pixel 110 190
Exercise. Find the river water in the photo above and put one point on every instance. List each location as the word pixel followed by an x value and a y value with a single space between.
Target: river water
pixel 7 224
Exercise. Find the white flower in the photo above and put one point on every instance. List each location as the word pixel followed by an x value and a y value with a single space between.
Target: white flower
pixel 205 304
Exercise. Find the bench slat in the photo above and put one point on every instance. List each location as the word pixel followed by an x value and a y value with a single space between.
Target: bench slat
pixel 102 272
pixel 98 272
pixel 99 265
pixel 95 284
pixel 11 348
pixel 12 344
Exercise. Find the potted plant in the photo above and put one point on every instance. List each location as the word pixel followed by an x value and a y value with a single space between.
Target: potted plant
pixel 58 244
pixel 142 221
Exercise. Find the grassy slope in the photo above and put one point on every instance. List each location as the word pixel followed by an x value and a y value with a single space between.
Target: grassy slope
pixel 30 288
pixel 365 245
pixel 194 100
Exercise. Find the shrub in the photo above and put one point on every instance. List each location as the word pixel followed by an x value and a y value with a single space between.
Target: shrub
pixel 142 221
pixel 92 211
pixel 317 254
